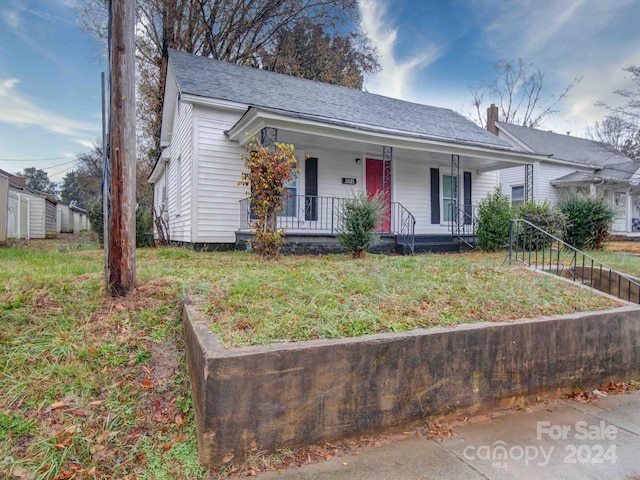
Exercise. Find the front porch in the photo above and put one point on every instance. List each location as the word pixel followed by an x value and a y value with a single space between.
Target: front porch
pixel 428 186
pixel 311 224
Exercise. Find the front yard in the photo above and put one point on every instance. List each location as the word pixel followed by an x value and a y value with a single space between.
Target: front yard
pixel 93 387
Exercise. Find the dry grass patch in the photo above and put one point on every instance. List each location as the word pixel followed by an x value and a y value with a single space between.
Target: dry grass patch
pixel 94 387
pixel 300 298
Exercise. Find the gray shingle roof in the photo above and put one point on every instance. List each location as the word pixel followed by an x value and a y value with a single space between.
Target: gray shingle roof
pixel 565 147
pixel 210 78
pixel 622 172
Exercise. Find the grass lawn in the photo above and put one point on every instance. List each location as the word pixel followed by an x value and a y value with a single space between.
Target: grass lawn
pixel 94 387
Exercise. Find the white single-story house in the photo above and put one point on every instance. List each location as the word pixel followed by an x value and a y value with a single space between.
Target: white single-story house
pixel 430 164
pixel 31 214
pixel 80 218
pixel 575 164
pixel 4 206
pixel 65 219
pixel 72 219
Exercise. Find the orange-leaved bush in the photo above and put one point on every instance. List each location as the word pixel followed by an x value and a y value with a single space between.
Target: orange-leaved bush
pixel 268 168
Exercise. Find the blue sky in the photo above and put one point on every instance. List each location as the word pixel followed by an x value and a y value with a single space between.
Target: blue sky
pixel 430 51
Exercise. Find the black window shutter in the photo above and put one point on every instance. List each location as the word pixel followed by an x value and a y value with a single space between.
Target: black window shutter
pixel 311 189
pixel 468 208
pixel 435 195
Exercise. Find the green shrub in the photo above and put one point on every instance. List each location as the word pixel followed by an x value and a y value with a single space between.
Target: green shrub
pixel 94 212
pixel 358 223
pixel 144 227
pixel 543 216
pixel 492 228
pixel 588 220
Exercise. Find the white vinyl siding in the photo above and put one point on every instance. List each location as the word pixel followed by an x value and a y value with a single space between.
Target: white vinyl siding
pixel 4 207
pixel 219 170
pixel 36 216
pixel 179 176
pixel 543 174
pixel 64 225
pixel 412 188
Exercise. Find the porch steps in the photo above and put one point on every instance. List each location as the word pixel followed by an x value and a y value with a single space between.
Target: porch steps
pixel 430 244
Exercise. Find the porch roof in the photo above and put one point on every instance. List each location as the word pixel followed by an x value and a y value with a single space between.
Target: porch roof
pixel 486 157
pixel 626 172
pixel 324 103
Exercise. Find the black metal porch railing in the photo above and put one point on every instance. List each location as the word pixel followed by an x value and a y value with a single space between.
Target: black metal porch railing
pixel 322 215
pixel 541 250
pixel 462 223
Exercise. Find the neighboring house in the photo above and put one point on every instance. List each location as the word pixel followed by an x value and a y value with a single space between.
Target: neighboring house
pixel 4 206
pixel 65 219
pixel 31 214
pixel 80 218
pixel 572 164
pixel 72 219
pixel 430 164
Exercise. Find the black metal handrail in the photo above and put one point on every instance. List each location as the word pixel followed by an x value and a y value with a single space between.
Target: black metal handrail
pixel 322 214
pixel 403 224
pixel 462 223
pixel 539 249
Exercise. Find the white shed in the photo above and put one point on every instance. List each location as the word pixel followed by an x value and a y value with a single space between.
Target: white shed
pixel 4 206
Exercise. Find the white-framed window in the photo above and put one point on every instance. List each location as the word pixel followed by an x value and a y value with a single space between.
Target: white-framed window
pixel 517 195
pixel 164 204
pixel 449 207
pixel 291 188
pixel 178 186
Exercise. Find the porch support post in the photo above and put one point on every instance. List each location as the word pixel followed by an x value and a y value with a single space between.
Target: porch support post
pixel 269 136
pixel 387 156
pixel 528 182
pixel 455 180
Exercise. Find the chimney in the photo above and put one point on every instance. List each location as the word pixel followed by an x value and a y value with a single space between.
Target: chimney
pixel 492 118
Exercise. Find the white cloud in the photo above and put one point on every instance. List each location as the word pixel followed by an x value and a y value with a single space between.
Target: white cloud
pixel 11 18
pixel 19 110
pixel 567 39
pixel 85 143
pixel 395 78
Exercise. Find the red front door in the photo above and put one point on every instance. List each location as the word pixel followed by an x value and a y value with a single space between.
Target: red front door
pixel 374 177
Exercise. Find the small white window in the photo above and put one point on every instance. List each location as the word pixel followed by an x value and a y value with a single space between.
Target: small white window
pixel 163 205
pixel 449 207
pixel 178 186
pixel 291 200
pixel 517 195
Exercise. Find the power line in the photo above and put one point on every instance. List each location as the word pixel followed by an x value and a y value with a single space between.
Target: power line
pixel 31 159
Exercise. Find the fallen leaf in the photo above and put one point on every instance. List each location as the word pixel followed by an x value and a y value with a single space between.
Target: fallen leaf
pixel 57 405
pixel 20 472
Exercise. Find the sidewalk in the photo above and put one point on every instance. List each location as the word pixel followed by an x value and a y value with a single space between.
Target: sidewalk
pixel 564 439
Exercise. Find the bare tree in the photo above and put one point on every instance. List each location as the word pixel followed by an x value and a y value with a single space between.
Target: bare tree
pixel 517 91
pixel 236 31
pixel 630 111
pixel 621 128
pixel 618 133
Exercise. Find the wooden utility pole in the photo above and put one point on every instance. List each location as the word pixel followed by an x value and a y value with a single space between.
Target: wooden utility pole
pixel 121 255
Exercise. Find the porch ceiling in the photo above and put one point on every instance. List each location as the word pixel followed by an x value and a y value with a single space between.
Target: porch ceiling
pixel 308 134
